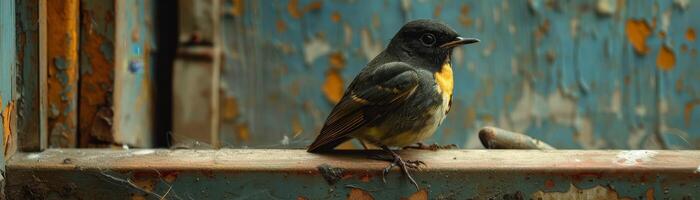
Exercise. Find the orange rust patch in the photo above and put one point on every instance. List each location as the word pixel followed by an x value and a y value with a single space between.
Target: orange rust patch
pixel 637 33
pixel 684 48
pixel 650 194
pixel 296 127
pixel 359 194
pixel 243 132
pixel 549 184
pixel 666 60
pixel 138 197
pixel 230 108
pixel 688 111
pixel 316 5
pixel 170 176
pixel 336 60
pixel 333 86
pixel 62 59
pixel 295 12
pixel 302 198
pixel 464 18
pixel 281 26
pixel 437 11
pixel 293 9
pixel 365 178
pixel 420 195
pixel 97 84
pixel 7 124
pixel 335 17
pixel 237 7
pixel 542 30
pixel 690 34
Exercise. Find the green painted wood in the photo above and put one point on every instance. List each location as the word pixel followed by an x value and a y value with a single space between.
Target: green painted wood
pixel 7 73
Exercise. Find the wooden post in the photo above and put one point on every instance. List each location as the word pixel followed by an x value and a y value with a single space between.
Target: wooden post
pixel 196 75
pixel 62 61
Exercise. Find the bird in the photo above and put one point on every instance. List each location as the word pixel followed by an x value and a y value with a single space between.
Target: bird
pixel 400 97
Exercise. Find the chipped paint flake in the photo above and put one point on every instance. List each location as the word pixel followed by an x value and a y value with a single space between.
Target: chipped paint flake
pixel 314 48
pixel 370 48
pixel 333 86
pixel 666 60
pixel 637 33
pixel 606 7
pixel 634 157
pixel 690 34
pixel 597 192
pixel 359 194
pixel 420 195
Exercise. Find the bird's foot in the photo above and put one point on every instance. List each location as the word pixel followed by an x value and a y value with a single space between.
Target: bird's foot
pixel 432 147
pixel 395 160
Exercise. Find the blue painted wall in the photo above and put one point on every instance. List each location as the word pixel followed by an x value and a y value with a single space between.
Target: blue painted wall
pixel 7 68
pixel 576 74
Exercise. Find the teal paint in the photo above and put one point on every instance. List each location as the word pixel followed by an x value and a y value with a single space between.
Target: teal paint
pixel 7 66
pixel 561 72
pixel 135 113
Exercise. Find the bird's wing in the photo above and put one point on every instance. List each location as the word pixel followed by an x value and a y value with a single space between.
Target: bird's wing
pixel 368 98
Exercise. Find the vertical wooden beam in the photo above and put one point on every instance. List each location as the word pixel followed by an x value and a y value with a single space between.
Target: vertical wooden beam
pixel 197 75
pixel 7 78
pixel 62 62
pixel 133 80
pixel 31 134
pixel 96 73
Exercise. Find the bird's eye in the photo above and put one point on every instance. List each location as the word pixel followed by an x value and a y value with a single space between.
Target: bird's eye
pixel 427 39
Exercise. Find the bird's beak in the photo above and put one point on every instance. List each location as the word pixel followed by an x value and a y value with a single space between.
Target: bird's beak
pixel 459 41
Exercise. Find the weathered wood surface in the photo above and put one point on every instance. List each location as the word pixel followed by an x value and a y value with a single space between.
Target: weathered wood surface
pixel 62 29
pixel 460 174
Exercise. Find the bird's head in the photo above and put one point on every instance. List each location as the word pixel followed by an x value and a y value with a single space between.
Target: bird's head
pixel 427 41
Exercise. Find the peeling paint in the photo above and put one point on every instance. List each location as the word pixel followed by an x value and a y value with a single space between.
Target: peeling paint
pixel 370 48
pixel 690 34
pixel 597 192
pixel 634 157
pixel 637 33
pixel 606 7
pixel 314 48
pixel 7 121
pixel 666 60
pixel 231 110
pixel 359 194
pixel 333 87
pixel 420 195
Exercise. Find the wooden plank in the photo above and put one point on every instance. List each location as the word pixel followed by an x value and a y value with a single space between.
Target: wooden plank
pixel 133 109
pixel 452 174
pixel 62 57
pixel 196 102
pixel 7 83
pixel 97 34
pixel 28 23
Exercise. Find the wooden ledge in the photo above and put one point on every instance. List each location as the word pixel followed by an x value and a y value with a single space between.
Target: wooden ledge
pixel 237 173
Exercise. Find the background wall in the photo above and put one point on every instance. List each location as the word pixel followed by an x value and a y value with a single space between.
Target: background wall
pixel 576 74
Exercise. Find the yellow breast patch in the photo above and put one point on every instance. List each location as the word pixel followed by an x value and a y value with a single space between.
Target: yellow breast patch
pixel 444 79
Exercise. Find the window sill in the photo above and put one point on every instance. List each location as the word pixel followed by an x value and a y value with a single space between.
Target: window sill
pixel 289 174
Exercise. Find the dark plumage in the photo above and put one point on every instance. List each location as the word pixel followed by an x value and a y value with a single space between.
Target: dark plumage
pixel 401 96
